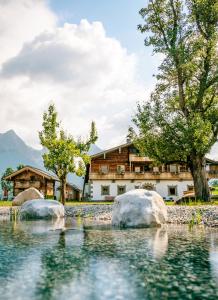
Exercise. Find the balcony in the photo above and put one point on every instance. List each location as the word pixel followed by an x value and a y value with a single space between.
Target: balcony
pixel 27 184
pixel 137 158
pixel 141 176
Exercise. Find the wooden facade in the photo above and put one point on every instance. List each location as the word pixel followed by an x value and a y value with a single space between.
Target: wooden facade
pixel 212 169
pixel 32 177
pixel 72 192
pixel 124 162
pixel 122 169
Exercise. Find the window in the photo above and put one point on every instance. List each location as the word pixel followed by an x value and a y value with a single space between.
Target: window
pixel 172 190
pixel 137 169
pixel 133 150
pixel 183 169
pixel 121 189
pixel 105 190
pixel 121 169
pixel 156 169
pixel 146 168
pixel 32 178
pixel 104 169
pixel 190 188
pixel 173 168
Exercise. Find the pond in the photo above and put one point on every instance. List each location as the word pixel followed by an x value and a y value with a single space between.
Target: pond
pixel 92 261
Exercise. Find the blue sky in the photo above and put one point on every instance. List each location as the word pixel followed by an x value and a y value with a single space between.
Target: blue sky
pixel 120 19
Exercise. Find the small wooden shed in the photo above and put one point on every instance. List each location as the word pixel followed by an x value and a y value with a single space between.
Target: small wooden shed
pixel 33 177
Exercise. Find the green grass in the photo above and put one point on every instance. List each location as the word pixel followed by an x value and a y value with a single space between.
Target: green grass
pixel 215 192
pixel 5 203
pixel 70 203
pixel 193 203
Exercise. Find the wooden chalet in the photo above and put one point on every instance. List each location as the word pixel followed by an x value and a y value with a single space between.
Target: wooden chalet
pixel 43 181
pixel 120 169
pixel 33 177
pixel 73 192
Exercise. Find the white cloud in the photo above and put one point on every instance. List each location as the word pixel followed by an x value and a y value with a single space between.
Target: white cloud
pixel 88 75
pixel 20 21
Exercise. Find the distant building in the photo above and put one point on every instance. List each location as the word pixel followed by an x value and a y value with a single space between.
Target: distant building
pixel 47 183
pixel 120 169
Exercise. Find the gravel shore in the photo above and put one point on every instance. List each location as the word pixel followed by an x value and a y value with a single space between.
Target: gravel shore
pixel 207 214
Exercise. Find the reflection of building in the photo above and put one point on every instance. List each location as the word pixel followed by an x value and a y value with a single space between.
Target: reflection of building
pixel 43 181
pixel 120 169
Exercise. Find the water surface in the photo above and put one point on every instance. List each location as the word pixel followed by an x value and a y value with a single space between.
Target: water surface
pixel 89 261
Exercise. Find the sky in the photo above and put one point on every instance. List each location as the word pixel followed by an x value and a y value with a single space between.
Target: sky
pixel 87 57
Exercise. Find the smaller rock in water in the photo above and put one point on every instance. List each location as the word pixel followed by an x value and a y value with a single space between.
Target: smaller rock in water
pixel 139 208
pixel 41 209
pixel 26 195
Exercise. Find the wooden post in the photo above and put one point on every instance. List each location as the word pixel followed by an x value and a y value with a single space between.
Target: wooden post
pixel 45 187
pixel 54 196
pixel 13 188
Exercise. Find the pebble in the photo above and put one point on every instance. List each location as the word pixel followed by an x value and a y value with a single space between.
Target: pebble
pixel 202 214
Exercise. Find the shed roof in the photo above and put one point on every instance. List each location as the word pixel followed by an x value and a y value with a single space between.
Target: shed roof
pixel 34 170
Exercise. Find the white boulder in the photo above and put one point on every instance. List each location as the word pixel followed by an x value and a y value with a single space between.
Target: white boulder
pixel 139 208
pixel 28 194
pixel 41 209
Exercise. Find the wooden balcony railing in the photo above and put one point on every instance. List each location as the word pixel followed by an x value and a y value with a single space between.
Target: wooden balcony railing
pixel 137 158
pixel 142 176
pixel 27 184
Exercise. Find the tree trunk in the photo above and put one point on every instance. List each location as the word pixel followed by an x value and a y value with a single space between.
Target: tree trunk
pixel 197 166
pixel 63 191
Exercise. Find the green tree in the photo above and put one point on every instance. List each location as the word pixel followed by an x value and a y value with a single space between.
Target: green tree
pixel 20 166
pixel 64 154
pixel 180 123
pixel 6 185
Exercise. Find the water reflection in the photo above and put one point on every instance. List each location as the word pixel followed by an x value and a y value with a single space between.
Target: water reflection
pixel 82 260
pixel 213 256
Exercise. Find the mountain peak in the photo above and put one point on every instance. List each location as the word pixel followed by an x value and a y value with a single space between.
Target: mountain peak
pixel 9 133
pixel 10 138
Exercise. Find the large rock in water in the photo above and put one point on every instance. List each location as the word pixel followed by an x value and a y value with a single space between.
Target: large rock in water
pixel 41 209
pixel 139 208
pixel 26 195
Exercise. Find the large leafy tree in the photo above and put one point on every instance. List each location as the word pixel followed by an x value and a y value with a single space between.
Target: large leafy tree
pixel 7 186
pixel 180 123
pixel 64 154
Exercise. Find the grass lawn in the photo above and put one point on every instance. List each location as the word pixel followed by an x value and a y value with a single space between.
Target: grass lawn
pixel 215 192
pixel 70 203
pixel 76 203
pixel 5 203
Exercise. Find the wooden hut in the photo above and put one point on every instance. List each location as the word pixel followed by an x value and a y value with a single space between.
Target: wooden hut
pixel 33 177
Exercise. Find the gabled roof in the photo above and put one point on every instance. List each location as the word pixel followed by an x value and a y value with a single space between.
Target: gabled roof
pixel 34 170
pixel 76 188
pixel 208 160
pixel 211 161
pixel 111 149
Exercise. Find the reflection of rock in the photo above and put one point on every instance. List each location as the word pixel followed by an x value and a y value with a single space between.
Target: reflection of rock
pixel 26 195
pixel 138 208
pixel 41 226
pixel 213 258
pixel 160 243
pixel 41 209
